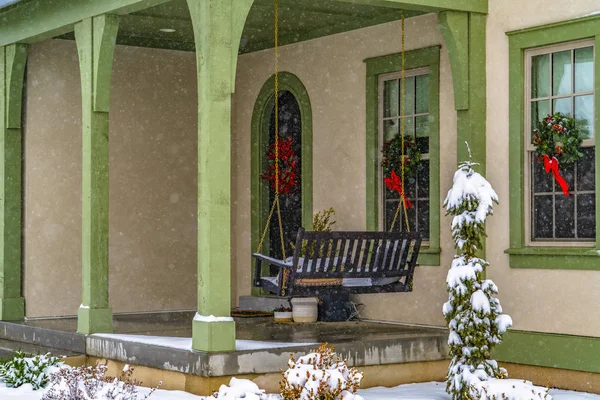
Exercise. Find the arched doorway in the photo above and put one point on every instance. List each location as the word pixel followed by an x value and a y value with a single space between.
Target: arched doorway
pixel 295 119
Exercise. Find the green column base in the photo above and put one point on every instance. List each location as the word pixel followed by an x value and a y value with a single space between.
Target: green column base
pixel 94 320
pixel 213 336
pixel 12 309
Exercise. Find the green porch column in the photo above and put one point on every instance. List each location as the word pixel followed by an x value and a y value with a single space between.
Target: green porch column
pixel 464 34
pixel 218 26
pixel 95 39
pixel 12 71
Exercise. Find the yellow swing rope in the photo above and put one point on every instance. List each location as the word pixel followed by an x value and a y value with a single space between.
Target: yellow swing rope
pixel 276 203
pixel 402 132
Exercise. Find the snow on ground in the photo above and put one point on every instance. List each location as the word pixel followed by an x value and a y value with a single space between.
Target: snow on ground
pixel 437 391
pixel 415 391
pixel 186 343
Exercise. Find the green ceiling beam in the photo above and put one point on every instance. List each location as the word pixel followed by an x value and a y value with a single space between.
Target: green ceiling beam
pixel 36 20
pixel 480 6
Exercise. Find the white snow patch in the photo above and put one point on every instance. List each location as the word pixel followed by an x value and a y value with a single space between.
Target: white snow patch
pixel 415 391
pixel 510 389
pixel 591 14
pixel 186 343
pixel 211 318
pixel 480 302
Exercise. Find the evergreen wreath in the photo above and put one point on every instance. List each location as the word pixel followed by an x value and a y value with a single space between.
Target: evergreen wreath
pixel 556 136
pixel 392 156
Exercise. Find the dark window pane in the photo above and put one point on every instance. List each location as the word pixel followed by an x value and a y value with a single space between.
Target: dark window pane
pixel 410 186
pixel 542 217
pixel 391 194
pixel 542 182
pixel 412 219
pixel 586 170
pixel 423 179
pixel 390 211
pixel 423 213
pixel 565 218
pixel 586 216
pixel 569 175
pixel 423 145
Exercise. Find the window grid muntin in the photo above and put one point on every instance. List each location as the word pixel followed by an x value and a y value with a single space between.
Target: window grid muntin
pixel 529 154
pixel 396 76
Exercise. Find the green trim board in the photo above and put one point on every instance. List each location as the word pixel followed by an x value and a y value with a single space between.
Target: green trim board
pixel 259 202
pixel 520 255
pixel 578 353
pixel 429 5
pixel 427 57
pixel 12 71
pixel 95 38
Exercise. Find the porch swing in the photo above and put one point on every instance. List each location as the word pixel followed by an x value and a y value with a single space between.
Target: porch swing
pixel 339 261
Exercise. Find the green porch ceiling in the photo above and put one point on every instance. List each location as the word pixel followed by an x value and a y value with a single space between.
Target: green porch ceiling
pixel 30 21
pixel 300 20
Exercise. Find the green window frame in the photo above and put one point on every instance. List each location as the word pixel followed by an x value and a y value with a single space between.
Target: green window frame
pixel 521 253
pixel 415 59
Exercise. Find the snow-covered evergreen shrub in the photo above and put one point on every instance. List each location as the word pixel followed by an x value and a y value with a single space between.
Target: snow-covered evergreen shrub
pixel 320 375
pixel 472 312
pixel 91 383
pixel 22 369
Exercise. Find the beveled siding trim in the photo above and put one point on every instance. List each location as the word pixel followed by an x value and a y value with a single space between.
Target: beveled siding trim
pixel 578 353
pixel 521 256
pixel 427 57
pixel 259 202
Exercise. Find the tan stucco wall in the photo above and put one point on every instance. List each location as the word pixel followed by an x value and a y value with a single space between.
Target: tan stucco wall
pixel 153 187
pixel 560 301
pixel 333 72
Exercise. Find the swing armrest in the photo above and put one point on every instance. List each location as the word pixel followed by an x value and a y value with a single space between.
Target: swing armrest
pixel 260 258
pixel 272 261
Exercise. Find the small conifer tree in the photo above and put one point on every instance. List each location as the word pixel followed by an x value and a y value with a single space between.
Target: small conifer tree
pixel 472 312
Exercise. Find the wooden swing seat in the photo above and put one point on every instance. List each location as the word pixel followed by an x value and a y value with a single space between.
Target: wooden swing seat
pixel 356 262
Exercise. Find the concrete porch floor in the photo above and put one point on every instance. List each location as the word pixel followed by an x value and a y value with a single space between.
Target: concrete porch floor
pixel 361 343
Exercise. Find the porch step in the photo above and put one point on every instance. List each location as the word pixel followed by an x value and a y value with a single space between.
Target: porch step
pixel 49 337
pixel 263 303
pixel 9 347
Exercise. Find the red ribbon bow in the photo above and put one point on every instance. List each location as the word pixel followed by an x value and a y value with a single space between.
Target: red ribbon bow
pixel 551 165
pixel 395 183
